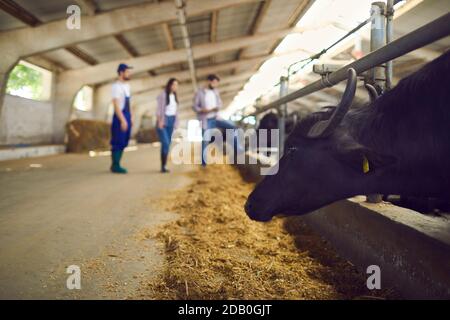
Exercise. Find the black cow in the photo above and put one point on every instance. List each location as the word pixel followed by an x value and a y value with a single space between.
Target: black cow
pixel 270 121
pixel 397 144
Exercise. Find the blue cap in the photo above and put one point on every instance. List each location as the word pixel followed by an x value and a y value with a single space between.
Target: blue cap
pixel 122 67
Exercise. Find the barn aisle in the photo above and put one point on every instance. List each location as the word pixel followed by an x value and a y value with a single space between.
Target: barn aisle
pixel 182 235
pixel 69 210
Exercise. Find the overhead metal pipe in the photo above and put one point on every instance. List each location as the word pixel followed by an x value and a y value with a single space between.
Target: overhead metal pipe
pixel 389 37
pixel 282 115
pixel 377 75
pixel 418 38
pixel 181 13
pixel 377 41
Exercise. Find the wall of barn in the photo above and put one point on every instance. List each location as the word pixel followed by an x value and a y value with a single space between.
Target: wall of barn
pixel 25 121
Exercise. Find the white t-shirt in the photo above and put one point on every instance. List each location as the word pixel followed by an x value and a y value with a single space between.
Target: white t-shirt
pixel 210 102
pixel 171 108
pixel 120 90
pixel 210 99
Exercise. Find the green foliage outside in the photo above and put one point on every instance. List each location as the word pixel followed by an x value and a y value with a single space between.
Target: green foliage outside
pixel 25 81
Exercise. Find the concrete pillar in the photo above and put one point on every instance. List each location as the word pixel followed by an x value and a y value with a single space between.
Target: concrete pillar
pixel 65 92
pixel 102 99
pixel 7 63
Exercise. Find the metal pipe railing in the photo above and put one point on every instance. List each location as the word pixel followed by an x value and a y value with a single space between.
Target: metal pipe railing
pixel 389 36
pixel 377 75
pixel 282 114
pixel 416 39
pixel 377 41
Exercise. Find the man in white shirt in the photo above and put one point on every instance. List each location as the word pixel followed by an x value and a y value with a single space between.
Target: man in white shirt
pixel 121 123
pixel 207 103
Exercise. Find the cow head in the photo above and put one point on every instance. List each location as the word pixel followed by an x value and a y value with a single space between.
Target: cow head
pixel 269 121
pixel 322 163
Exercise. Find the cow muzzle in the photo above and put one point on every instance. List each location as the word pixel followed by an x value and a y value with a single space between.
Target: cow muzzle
pixel 255 213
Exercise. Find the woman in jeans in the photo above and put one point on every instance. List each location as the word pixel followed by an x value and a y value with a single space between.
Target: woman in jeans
pixel 166 114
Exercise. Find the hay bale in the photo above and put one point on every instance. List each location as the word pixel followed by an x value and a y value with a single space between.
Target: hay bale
pixel 85 135
pixel 147 135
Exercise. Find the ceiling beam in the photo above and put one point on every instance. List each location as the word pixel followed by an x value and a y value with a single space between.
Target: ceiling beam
pixel 91 9
pixel 213 31
pixel 18 12
pixel 298 13
pixel 28 18
pixel 46 63
pixel 126 45
pixel 82 55
pixel 260 15
pixel 106 71
pixel 168 36
pixel 142 15
pixel 295 17
pixel 169 39
pixel 88 6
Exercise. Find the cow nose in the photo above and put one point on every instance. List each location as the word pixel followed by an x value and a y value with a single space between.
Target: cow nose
pixel 248 207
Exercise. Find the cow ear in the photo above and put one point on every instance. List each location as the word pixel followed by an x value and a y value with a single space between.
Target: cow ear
pixel 364 160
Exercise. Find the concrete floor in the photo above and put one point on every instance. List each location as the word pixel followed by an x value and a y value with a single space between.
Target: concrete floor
pixel 69 209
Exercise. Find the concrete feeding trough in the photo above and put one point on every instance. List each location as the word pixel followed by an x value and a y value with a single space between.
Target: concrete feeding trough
pixel 411 249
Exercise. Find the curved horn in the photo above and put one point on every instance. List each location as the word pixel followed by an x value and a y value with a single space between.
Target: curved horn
pixel 325 127
pixel 373 94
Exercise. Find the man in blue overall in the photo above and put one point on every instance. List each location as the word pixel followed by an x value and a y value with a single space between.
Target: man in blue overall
pixel 121 123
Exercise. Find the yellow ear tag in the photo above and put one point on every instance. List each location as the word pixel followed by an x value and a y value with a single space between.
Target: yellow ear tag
pixel 365 165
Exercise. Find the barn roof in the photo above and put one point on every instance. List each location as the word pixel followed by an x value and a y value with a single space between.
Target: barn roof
pixel 240 19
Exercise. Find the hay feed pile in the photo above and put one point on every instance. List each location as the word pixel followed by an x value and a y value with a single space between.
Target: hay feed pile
pixel 213 251
pixel 87 135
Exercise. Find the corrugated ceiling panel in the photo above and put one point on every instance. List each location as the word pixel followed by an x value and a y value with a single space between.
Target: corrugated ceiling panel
pixel 277 17
pixel 147 40
pixel 236 21
pixel 48 10
pixel 8 22
pixel 65 58
pixel 105 5
pixel 104 49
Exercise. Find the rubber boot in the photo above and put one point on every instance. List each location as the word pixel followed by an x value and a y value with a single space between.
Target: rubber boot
pixel 163 163
pixel 115 167
pixel 122 169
